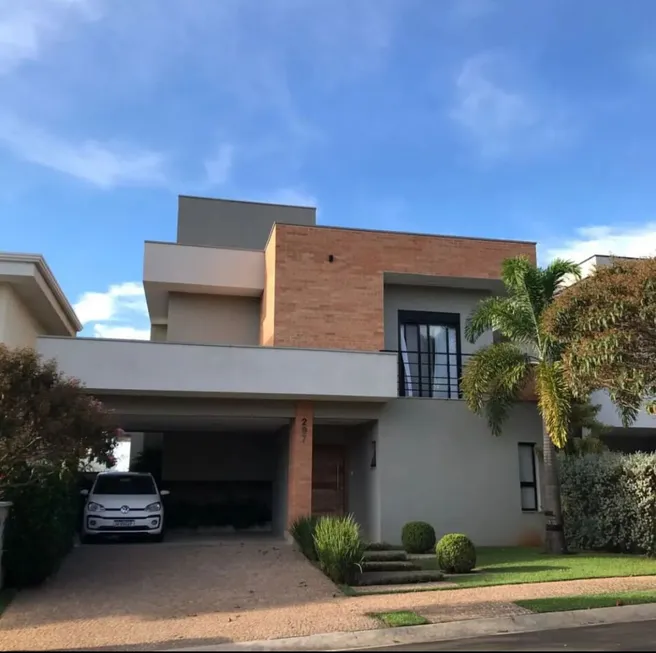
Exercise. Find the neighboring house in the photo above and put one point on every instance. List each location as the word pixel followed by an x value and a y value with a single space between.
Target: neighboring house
pixel 321 365
pixel 31 302
pixel 641 435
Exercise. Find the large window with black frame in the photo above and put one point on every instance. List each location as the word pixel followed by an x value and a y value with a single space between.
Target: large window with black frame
pixel 429 354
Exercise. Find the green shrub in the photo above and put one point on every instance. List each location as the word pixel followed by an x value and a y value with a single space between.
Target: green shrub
pixel 302 530
pixel 456 554
pixel 40 528
pixel 609 501
pixel 418 537
pixel 340 549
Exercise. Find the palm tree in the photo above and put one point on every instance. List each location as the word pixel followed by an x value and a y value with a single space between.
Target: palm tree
pixel 496 375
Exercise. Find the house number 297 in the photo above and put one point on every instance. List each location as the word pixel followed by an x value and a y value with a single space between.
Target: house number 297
pixel 304 429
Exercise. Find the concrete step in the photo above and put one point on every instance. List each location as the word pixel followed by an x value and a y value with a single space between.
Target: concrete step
pixel 390 565
pixel 399 577
pixel 385 556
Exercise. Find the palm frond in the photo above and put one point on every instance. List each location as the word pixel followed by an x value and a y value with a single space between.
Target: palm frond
pixel 503 314
pixel 492 381
pixel 554 275
pixel 554 401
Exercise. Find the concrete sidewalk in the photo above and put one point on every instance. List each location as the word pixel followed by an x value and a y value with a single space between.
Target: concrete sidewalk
pixel 414 636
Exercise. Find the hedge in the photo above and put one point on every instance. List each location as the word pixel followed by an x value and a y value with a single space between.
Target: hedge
pixel 40 529
pixel 609 502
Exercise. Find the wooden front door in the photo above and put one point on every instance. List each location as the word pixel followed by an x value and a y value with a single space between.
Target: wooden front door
pixel 328 480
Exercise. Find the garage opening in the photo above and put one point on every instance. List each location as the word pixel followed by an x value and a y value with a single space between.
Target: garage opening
pixel 220 481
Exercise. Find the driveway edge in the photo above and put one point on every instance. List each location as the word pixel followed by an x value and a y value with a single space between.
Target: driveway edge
pixel 451 630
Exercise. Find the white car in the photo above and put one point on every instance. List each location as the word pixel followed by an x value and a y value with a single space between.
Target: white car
pixel 122 503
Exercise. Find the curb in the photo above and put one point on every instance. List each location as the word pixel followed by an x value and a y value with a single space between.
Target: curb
pixel 366 639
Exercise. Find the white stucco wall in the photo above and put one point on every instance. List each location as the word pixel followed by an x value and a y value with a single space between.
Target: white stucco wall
pixel 152 367
pixel 439 463
pixel 18 328
pixel 609 416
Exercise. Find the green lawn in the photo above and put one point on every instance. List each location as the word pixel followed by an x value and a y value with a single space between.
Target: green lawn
pixel 587 601
pixel 508 565
pixel 400 618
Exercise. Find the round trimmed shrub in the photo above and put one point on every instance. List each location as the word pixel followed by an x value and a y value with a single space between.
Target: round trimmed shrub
pixel 418 537
pixel 456 554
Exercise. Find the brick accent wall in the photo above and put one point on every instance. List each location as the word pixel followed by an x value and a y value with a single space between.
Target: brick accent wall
pixel 299 489
pixel 339 304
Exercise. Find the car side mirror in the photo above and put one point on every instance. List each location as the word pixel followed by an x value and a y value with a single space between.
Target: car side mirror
pixel 84 493
pixel 165 493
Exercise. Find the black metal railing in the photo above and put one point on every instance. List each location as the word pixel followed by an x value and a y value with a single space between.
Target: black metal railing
pixel 425 373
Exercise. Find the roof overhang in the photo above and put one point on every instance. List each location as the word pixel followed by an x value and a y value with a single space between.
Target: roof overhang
pixel 172 268
pixel 32 280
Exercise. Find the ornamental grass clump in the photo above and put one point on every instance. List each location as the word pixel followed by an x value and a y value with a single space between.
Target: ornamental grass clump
pixel 339 548
pixel 302 530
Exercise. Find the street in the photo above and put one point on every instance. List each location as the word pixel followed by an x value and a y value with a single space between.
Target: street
pixel 637 636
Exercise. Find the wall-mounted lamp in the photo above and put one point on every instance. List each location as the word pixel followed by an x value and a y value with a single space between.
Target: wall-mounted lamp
pixel 373 454
pixel 331 258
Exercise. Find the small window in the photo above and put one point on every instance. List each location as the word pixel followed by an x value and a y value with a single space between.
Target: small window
pixel 527 477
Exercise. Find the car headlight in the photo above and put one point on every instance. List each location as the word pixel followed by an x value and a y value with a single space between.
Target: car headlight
pixel 154 507
pixel 95 507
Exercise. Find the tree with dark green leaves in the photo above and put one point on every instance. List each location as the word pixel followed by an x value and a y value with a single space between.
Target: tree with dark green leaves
pixel 607 326
pixel 497 375
pixel 48 422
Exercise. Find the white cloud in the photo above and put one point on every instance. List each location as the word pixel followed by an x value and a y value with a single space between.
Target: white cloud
pixel 120 332
pixel 27 26
pixel 499 114
pixel 103 306
pixel 292 197
pixel 105 165
pixel 219 166
pixel 117 313
pixel 630 240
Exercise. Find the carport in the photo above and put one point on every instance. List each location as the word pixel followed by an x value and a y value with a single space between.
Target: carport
pixel 236 463
pixel 224 469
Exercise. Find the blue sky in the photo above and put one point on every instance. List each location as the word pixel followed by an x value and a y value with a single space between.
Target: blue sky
pixel 527 119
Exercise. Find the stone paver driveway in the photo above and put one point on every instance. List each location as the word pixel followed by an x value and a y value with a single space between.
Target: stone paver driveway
pixel 178 593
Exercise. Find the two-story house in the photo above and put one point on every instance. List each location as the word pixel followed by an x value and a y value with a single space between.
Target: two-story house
pixel 323 364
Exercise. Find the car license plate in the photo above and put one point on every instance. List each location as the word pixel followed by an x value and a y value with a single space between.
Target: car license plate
pixel 124 522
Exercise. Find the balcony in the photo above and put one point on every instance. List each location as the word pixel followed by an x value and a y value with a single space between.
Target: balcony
pixel 437 375
pixel 126 367
pixel 169 267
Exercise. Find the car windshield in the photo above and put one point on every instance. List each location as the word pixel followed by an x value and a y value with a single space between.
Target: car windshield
pixel 117 484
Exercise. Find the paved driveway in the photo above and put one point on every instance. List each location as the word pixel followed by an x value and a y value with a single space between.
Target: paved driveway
pixel 175 593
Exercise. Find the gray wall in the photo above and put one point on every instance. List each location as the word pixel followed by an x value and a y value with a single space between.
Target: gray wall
pixel 439 463
pixel 219 456
pixel 361 479
pixel 226 223
pixel 280 483
pixel 362 482
pixel 429 298
pixel 214 319
pixel 158 332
